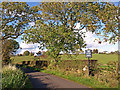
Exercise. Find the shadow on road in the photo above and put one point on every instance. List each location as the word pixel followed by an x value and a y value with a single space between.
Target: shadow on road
pixel 48 82
pixel 35 79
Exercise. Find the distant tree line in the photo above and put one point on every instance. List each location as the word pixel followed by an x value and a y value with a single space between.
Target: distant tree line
pixel 95 51
pixel 105 52
pixel 28 53
pixel 115 52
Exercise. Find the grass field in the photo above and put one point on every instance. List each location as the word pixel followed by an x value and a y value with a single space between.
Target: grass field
pixel 17 59
pixel 102 58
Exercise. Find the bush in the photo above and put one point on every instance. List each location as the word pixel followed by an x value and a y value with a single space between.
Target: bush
pixel 74 66
pixel 13 77
pixel 17 54
pixel 31 54
pixel 107 73
pixel 21 55
pixel 26 53
pixel 6 60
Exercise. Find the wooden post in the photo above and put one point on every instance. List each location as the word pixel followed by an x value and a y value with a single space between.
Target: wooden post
pixel 88 65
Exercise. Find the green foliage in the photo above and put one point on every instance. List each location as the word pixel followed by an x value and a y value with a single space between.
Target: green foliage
pixel 106 76
pixel 108 73
pixel 54 40
pixel 95 51
pixel 17 54
pixel 9 47
pixel 20 55
pixel 96 16
pixel 90 82
pixel 15 16
pixel 31 54
pixel 39 52
pixel 26 53
pixel 51 65
pixel 116 52
pixel 56 30
pixel 14 78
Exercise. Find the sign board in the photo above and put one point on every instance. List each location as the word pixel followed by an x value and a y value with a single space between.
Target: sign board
pixel 88 53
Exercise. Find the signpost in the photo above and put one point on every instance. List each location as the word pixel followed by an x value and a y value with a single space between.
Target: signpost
pixel 88 54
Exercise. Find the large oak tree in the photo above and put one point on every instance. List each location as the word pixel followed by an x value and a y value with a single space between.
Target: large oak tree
pixel 56 29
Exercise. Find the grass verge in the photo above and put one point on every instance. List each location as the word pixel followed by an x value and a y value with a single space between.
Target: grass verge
pixel 87 81
pixel 13 77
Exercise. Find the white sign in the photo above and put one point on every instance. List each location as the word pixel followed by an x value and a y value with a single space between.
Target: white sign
pixel 88 53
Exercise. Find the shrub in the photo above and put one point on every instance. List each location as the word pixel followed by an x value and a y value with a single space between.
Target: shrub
pixel 107 73
pixel 17 54
pixel 101 53
pixel 26 53
pixel 44 56
pixel 13 77
pixel 21 55
pixel 9 47
pixel 104 73
pixel 44 53
pixel 6 61
pixel 31 54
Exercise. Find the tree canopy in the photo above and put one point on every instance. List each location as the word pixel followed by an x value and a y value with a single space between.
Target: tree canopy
pixel 9 47
pixel 56 30
pixel 15 17
pixel 95 50
pixel 55 23
pixel 99 17
pixel 26 53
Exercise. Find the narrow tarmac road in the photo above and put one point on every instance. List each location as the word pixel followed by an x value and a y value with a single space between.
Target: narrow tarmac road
pixel 43 80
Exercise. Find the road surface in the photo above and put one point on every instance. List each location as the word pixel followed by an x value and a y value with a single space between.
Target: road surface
pixel 43 80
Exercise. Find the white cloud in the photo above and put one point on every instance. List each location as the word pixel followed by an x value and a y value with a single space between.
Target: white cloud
pixel 31 23
pixel 114 49
pixel 104 46
pixel 30 50
pixel 30 47
pixel 91 44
